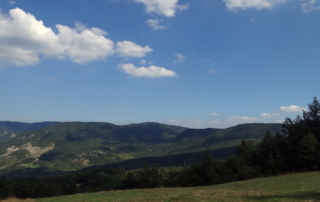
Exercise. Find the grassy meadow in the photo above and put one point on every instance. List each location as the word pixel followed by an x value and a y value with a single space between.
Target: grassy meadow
pixel 287 188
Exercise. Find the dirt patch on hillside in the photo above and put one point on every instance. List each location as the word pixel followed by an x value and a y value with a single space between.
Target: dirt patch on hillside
pixel 34 151
pixel 10 150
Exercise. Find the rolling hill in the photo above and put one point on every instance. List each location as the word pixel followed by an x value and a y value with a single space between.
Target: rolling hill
pixel 9 129
pixel 75 145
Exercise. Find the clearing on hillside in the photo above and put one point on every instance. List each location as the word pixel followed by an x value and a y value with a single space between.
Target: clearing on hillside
pixel 287 188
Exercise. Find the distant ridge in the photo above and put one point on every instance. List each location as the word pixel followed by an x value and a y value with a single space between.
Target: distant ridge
pixel 66 146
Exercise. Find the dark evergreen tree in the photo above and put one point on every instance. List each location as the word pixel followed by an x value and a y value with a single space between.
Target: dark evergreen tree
pixel 297 129
pixel 308 152
pixel 311 118
pixel 246 152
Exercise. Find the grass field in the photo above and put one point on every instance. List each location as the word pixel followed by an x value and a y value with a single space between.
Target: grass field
pixel 288 188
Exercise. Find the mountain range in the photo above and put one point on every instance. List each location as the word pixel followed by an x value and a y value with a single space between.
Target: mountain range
pixel 67 146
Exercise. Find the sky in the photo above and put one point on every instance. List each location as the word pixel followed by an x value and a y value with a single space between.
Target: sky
pixel 195 63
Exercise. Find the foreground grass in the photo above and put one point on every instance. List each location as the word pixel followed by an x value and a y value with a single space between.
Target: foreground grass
pixel 287 188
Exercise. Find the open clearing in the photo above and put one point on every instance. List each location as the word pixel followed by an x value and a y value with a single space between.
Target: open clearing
pixel 288 188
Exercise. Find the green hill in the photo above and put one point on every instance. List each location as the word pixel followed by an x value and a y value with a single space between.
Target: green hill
pixel 286 188
pixel 10 129
pixel 76 145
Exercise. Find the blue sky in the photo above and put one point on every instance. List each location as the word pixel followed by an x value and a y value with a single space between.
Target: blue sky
pixel 194 63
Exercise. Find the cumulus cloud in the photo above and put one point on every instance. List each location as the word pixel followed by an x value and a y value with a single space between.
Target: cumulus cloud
pixel 155 24
pixel 148 72
pixel 85 45
pixel 130 49
pixel 251 4
pixel 291 109
pixel 24 40
pixel 17 56
pixel 167 8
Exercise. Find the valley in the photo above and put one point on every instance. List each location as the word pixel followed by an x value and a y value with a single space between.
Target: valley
pixel 75 145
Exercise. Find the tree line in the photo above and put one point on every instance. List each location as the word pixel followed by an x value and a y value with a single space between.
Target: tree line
pixel 295 149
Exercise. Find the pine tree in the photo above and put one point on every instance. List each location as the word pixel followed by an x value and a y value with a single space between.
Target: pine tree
pixel 312 118
pixel 299 134
pixel 308 149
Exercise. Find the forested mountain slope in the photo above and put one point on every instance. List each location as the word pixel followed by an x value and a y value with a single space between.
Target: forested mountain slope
pixel 75 145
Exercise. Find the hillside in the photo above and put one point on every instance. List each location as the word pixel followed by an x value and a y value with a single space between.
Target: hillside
pixel 9 129
pixel 76 145
pixel 286 188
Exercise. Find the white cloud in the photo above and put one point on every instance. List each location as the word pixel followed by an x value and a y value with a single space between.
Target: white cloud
pixel 291 109
pixel 130 49
pixel 85 45
pixel 18 56
pixel 180 57
pixel 148 72
pixel 24 40
pixel 166 8
pixel 309 5
pixel 155 24
pixel 252 4
pixel 269 115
